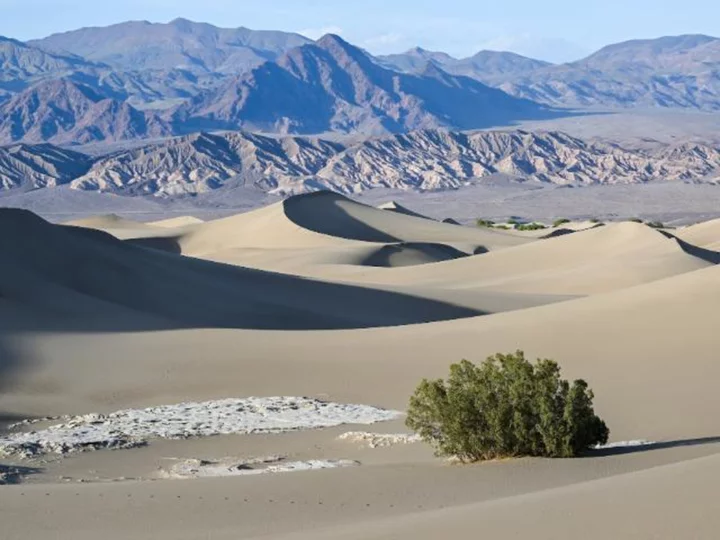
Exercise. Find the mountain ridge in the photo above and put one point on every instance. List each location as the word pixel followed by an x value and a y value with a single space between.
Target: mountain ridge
pixel 334 86
pixel 424 160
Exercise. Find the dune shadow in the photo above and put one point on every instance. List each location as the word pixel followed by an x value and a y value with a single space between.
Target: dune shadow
pixel 319 212
pixel 168 244
pixel 621 450
pixel 411 254
pixel 712 257
pixel 75 279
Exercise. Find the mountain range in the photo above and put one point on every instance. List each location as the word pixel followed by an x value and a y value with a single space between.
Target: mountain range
pixel 420 160
pixel 139 80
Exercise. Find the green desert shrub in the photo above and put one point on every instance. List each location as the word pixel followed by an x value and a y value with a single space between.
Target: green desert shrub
pixel 506 407
pixel 484 223
pixel 530 227
pixel 561 221
pixel 655 224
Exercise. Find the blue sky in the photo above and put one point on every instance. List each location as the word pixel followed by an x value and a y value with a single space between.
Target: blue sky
pixel 555 30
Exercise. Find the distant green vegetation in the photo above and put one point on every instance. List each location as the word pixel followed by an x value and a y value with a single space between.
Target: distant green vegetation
pixel 655 224
pixel 506 407
pixel 561 221
pixel 484 223
pixel 530 227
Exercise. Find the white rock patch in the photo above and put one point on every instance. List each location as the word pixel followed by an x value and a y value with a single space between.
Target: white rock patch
pixel 379 440
pixel 624 444
pixel 133 427
pixel 196 468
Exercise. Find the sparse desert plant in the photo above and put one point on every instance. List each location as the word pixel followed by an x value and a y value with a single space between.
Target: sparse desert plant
pixel 561 221
pixel 594 220
pixel 530 227
pixel 484 223
pixel 635 220
pixel 505 407
pixel 655 224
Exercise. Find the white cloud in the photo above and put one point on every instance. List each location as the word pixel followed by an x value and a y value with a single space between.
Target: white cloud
pixel 317 33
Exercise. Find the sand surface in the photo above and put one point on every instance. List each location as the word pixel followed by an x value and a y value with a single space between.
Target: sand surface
pixel 162 331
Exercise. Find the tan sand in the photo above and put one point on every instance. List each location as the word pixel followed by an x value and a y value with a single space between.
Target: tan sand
pixel 180 221
pixel 92 324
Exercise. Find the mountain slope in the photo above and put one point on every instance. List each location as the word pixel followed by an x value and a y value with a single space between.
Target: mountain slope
pixel 20 62
pixel 425 160
pixel 679 71
pixel 197 47
pixel 38 166
pixel 334 86
pixel 489 67
pixel 62 111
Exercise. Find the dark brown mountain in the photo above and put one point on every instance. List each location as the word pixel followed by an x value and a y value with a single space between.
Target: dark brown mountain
pixel 36 166
pixel 334 86
pixel 63 111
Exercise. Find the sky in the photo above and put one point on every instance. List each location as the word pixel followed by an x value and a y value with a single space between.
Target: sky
pixel 553 30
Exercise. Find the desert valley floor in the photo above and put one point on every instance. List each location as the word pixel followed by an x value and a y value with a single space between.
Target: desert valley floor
pixel 325 298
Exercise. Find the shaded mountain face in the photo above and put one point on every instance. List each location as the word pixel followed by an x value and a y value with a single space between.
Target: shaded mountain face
pixel 62 111
pixel 489 67
pixel 420 160
pixel 37 166
pixel 334 86
pixel 20 62
pixel 681 71
pixel 180 44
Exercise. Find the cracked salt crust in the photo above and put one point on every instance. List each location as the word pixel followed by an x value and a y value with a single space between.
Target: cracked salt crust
pixel 195 468
pixel 135 427
pixel 379 440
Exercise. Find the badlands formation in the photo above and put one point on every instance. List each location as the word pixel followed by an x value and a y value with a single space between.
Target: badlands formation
pixel 245 377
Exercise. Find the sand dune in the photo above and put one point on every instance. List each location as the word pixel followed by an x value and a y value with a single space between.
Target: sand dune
pixel 587 262
pixel 79 271
pixel 180 221
pixel 393 206
pixel 319 220
pixel 91 323
pixel 702 234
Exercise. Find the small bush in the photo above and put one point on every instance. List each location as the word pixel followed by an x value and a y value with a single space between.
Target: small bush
pixel 561 221
pixel 505 407
pixel 530 227
pixel 635 220
pixel 485 223
pixel 594 220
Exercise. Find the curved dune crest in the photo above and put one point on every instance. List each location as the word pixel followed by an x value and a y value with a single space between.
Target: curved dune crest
pixel 393 206
pixel 180 221
pixel 334 215
pixel 323 220
pixel 586 262
pixel 706 234
pixel 86 272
